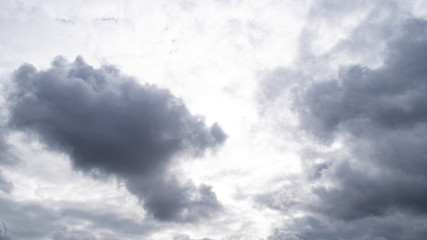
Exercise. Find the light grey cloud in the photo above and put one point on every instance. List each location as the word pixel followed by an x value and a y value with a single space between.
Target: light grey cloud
pixel 65 21
pixel 342 33
pixel 108 223
pixel 4 231
pixel 392 227
pixel 107 19
pixel 27 220
pixel 110 124
pixel 63 234
pixel 7 155
pixel 187 237
pixel 5 185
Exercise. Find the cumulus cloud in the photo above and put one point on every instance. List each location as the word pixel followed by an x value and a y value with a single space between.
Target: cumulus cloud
pixel 376 181
pixel 384 115
pixel 169 199
pixel 388 97
pixel 110 124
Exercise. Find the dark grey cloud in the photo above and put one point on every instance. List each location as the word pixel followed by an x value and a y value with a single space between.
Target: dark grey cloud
pixel 388 97
pixel 382 115
pixel 374 186
pixel 110 124
pixel 167 198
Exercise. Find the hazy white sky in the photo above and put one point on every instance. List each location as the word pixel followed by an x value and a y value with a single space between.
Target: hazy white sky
pixel 314 98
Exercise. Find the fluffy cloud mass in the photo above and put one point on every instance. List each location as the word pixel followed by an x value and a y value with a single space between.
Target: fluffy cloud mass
pixel 376 181
pixel 382 115
pixel 110 124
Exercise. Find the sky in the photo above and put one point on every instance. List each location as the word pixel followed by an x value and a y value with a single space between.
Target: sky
pixel 215 119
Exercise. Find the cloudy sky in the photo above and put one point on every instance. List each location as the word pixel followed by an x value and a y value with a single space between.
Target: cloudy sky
pixel 216 119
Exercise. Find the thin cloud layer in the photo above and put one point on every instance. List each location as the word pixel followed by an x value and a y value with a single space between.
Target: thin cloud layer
pixel 110 124
pixel 374 186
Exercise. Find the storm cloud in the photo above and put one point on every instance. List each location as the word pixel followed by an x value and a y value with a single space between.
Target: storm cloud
pixel 389 97
pixel 381 115
pixel 110 124
pixel 376 180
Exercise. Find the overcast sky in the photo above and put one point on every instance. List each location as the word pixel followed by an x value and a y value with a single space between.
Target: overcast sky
pixel 216 119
